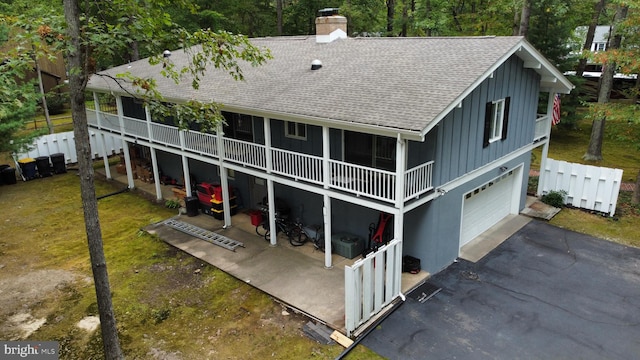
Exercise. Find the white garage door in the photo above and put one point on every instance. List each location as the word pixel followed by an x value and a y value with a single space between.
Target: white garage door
pixel 486 205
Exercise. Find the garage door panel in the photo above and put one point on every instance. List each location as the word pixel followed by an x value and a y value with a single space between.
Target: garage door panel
pixel 485 206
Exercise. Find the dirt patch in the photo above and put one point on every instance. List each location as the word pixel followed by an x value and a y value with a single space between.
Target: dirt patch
pixel 20 296
pixel 89 323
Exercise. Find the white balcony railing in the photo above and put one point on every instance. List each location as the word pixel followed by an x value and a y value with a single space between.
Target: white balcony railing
pixel 351 178
pixel 542 123
pixel 164 134
pixel 245 153
pixel 135 127
pixel 418 180
pixel 362 180
pixel 205 144
pixel 296 165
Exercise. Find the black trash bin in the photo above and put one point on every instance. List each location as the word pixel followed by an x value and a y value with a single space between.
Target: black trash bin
pixel 192 204
pixel 28 168
pixel 44 168
pixel 8 175
pixel 59 163
pixel 2 167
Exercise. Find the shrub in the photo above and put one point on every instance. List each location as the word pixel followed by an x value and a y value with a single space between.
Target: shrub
pixel 554 198
pixel 56 102
pixel 172 203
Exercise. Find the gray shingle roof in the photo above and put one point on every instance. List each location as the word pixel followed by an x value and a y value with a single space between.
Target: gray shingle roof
pixel 399 83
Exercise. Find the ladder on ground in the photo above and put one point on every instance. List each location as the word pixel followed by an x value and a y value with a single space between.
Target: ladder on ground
pixel 203 234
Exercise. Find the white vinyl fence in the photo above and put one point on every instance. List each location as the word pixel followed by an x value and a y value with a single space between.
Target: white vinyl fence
pixel 64 143
pixel 588 187
pixel 372 283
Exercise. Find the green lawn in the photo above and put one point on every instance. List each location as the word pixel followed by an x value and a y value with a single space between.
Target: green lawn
pixel 621 150
pixel 166 302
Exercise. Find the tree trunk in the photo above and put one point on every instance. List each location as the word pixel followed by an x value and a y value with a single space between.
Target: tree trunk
pixel 135 51
pixel 524 18
pixel 390 15
pixel 515 27
pixel 594 150
pixel 405 20
pixel 279 9
pixel 591 31
pixel 76 55
pixel 428 11
pixel 635 199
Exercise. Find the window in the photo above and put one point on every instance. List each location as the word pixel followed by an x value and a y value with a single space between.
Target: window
pixel 496 121
pixel 238 126
pixel 600 46
pixel 295 130
pixel 370 150
pixel 497 115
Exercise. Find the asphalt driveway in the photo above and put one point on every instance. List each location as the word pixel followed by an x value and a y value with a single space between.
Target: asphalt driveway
pixel 545 293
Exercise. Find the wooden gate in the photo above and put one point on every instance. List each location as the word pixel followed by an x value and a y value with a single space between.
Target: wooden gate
pixel 371 284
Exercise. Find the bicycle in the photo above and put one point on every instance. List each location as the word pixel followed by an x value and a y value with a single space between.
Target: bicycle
pixel 294 230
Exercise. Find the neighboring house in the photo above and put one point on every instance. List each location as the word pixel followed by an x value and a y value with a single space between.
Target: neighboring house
pixel 600 43
pixel 437 132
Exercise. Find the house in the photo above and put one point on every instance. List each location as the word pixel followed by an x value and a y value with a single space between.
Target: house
pixel 437 132
pixel 600 43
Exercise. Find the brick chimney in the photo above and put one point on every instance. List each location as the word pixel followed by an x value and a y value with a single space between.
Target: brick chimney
pixel 330 26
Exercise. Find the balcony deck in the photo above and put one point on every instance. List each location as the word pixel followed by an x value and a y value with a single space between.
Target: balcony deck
pixel 372 183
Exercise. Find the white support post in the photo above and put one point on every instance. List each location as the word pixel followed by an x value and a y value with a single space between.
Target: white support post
pixel 187 177
pixel 120 115
pixel 125 144
pixel 147 115
pixel 545 147
pixel 127 163
pixel 272 213
pixel 105 157
pixel 267 144
pixel 156 173
pixel 326 155
pixel 401 165
pixel 326 213
pixel 271 198
pixel 398 219
pixel 96 105
pixel 224 181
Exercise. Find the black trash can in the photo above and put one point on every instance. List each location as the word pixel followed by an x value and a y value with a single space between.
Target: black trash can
pixel 192 204
pixel 59 163
pixel 8 175
pixel 28 168
pixel 2 167
pixel 44 168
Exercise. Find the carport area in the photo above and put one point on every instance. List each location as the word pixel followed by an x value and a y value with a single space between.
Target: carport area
pixel 545 293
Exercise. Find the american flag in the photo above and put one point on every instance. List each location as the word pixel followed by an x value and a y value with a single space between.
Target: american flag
pixel 555 115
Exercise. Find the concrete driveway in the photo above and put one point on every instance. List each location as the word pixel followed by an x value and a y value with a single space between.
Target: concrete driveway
pixel 545 293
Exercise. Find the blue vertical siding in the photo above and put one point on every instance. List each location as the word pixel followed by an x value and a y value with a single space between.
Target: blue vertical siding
pixel 459 135
pixel 312 145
